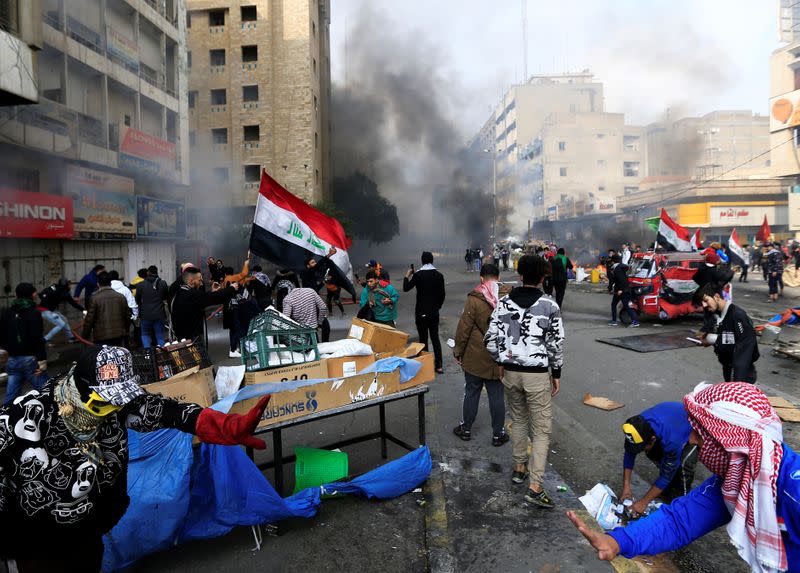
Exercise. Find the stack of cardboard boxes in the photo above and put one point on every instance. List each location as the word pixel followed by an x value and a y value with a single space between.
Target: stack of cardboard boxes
pixel 346 387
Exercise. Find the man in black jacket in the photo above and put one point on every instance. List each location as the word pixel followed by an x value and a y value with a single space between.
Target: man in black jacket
pixel 619 287
pixel 430 297
pixel 21 335
pixel 190 302
pixel 151 294
pixel 49 299
pixel 735 342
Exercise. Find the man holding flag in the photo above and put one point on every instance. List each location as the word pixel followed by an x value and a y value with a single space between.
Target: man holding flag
pixel 291 233
pixel 672 237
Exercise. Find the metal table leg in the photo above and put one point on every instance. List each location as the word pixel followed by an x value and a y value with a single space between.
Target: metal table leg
pixel 277 452
pixel 382 409
pixel 421 418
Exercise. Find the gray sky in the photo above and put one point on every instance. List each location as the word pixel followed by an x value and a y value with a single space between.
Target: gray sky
pixel 692 56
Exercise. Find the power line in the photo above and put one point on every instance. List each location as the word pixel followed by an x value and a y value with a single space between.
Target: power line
pixel 721 175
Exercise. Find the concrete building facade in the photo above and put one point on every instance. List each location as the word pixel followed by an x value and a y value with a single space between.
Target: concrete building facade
pixel 580 163
pixel 259 97
pixel 97 170
pixel 20 40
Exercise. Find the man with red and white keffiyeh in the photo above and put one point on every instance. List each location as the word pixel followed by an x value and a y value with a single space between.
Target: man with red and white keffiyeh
pixel 754 490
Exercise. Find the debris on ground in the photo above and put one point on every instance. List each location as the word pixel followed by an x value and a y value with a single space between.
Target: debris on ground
pixel 601 402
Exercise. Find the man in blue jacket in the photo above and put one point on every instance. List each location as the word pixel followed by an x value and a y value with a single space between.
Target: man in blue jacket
pixel 754 490
pixel 88 284
pixel 662 433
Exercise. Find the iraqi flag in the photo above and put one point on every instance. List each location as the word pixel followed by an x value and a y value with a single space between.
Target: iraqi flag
pixel 736 253
pixel 287 231
pixel 764 232
pixel 671 236
pixel 697 244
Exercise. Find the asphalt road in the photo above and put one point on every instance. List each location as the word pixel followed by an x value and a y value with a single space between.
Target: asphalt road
pixel 469 517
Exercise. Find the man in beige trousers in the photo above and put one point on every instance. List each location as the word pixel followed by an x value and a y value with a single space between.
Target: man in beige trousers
pixel 526 338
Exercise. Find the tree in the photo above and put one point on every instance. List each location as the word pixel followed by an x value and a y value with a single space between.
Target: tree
pixel 372 217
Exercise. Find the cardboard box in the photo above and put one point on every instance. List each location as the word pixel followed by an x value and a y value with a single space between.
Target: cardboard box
pixel 190 386
pixel 410 351
pixel 380 337
pixel 426 374
pixel 305 371
pixel 291 404
pixel 348 365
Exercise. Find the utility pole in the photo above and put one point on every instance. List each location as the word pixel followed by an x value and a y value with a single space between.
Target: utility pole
pixel 494 195
pixel 524 41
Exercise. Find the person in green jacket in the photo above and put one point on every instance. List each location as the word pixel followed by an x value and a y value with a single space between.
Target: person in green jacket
pixel 382 300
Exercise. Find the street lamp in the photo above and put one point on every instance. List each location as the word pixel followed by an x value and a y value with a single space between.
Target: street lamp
pixel 493 151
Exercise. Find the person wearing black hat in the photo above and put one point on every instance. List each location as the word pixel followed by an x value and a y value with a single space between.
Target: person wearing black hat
pixel 64 457
pixel 430 297
pixel 21 335
pixel 662 432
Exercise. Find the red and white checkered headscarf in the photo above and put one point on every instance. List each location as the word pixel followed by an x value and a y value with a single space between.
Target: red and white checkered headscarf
pixel 742 443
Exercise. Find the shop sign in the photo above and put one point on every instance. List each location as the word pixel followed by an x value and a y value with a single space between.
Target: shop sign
pixel 104 205
pixel 159 218
pixel 35 215
pixel 747 215
pixel 146 154
pixel 123 48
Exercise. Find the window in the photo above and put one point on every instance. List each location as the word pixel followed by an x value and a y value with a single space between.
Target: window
pixel 252 173
pixel 192 139
pixel 249 53
pixel 562 145
pixel 601 136
pixel 221 174
pixel 797 79
pixel 631 168
pixel 20 178
pixel 573 108
pixel 219 97
pixel 250 93
pixel 601 188
pixel 562 171
pixel 192 99
pixel 188 59
pixel 216 17
pixel 601 162
pixel 631 190
pixel 249 14
pixel 126 120
pixel 252 133
pixel 188 19
pixel 216 57
pixel 219 135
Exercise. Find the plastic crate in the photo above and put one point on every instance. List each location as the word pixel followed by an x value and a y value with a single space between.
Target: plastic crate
pixel 271 319
pixel 275 348
pixel 158 363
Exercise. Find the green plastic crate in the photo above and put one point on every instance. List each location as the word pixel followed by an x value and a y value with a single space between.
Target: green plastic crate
pixel 275 348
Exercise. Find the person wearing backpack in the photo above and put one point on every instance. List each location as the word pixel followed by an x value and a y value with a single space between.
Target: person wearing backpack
pixel 22 336
pixel 151 294
pixel 480 369
pixel 560 264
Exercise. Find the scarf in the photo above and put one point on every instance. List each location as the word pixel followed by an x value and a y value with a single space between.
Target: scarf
pixel 20 304
pixel 742 444
pixel 262 277
pixel 427 267
pixel 490 291
pixel 80 422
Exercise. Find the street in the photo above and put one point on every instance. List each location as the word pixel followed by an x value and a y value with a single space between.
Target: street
pixel 473 518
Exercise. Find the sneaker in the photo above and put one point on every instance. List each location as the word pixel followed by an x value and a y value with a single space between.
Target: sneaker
pixel 634 325
pixel 541 498
pixel 613 323
pixel 519 477
pixel 234 354
pixel 498 441
pixel 462 433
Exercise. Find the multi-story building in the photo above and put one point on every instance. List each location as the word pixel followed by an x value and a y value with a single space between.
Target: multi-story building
pixel 96 171
pixel 784 108
pixel 580 163
pixel 518 121
pixel 732 143
pixel 259 97
pixel 20 40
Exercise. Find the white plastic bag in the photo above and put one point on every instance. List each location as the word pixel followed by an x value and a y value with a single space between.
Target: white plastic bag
pixel 344 347
pixel 228 380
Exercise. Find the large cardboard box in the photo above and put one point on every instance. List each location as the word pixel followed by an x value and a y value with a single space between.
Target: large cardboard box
pixel 379 336
pixel 348 365
pixel 190 386
pixel 426 374
pixel 410 351
pixel 290 404
pixel 305 371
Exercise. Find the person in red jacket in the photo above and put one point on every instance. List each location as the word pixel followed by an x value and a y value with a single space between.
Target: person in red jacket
pixel 64 457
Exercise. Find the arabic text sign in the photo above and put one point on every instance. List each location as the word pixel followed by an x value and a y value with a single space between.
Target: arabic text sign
pixel 747 215
pixel 122 48
pixel 35 215
pixel 144 153
pixel 158 218
pixel 104 205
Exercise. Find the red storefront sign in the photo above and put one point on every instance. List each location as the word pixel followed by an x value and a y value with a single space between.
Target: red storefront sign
pixel 35 215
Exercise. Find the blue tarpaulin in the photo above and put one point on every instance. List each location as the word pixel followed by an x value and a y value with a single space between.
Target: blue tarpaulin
pixel 178 495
